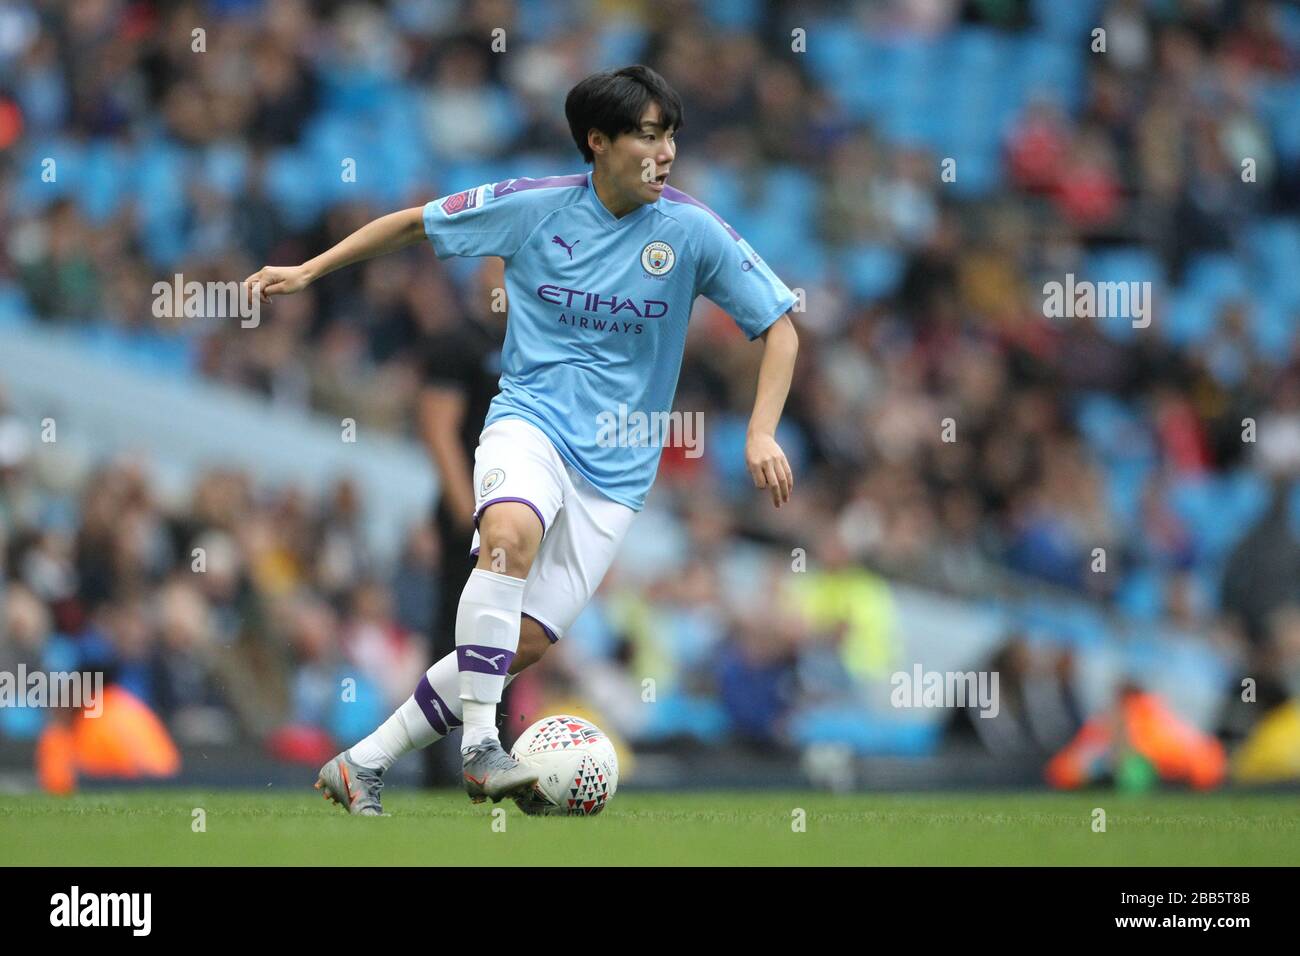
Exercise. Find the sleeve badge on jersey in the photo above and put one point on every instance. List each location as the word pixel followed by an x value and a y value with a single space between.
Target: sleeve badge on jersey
pixel 460 202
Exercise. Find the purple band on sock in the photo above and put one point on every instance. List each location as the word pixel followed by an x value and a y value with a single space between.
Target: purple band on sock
pixel 484 660
pixel 550 635
pixel 435 709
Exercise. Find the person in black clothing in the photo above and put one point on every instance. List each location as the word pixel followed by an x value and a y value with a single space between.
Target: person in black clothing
pixel 1262 577
pixel 462 367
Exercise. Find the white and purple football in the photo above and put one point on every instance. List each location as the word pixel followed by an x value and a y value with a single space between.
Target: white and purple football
pixel 576 766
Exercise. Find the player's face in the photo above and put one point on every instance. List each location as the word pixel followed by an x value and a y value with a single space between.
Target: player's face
pixel 637 163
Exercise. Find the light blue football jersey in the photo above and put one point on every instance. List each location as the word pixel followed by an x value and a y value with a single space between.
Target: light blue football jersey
pixel 598 309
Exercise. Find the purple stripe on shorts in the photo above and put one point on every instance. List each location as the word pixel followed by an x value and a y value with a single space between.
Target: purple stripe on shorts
pixel 550 635
pixel 676 195
pixel 492 501
pixel 508 186
pixel 484 660
pixel 434 708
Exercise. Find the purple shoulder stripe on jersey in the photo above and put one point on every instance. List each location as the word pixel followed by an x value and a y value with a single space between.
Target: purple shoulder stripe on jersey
pixel 482 659
pixel 546 182
pixel 435 709
pixel 550 635
pixel 676 195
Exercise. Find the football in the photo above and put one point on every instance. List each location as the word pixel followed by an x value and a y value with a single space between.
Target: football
pixel 576 765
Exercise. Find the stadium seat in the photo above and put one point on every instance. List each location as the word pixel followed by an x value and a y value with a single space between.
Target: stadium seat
pixel 1219 510
pixel 872 271
pixel 868 733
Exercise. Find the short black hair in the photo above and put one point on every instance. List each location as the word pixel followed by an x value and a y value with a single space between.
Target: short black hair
pixel 614 102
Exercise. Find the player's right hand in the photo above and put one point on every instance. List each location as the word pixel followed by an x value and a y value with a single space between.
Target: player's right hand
pixel 277 280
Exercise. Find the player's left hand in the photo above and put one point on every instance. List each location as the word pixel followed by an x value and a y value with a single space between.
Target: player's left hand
pixel 768 466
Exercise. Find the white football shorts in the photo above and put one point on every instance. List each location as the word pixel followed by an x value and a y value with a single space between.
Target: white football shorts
pixel 581 528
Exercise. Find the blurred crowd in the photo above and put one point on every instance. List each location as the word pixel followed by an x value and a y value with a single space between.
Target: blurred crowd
pixel 209 138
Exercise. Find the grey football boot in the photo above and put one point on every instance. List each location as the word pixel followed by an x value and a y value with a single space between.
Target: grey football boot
pixel 491 772
pixel 352 786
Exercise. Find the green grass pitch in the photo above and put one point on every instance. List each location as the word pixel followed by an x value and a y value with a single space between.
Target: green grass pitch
pixel 751 828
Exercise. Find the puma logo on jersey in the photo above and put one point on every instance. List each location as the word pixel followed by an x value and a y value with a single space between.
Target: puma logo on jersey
pixel 567 248
pixel 490 660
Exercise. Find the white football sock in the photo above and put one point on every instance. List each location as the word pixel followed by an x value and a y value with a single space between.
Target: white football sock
pixel 427 715
pixel 487 637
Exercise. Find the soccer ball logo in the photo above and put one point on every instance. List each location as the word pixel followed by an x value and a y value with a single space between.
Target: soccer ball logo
pixel 576 766
pixel 658 258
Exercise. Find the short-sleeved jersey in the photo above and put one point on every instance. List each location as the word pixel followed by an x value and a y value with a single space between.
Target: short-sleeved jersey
pixel 598 310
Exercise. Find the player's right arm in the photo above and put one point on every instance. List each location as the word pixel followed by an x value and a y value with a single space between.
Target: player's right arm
pixel 379 237
pixel 490 220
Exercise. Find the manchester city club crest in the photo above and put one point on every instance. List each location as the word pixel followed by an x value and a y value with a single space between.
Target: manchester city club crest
pixel 491 480
pixel 658 258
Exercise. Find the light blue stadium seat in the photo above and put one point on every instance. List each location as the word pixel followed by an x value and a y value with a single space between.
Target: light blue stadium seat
pixel 466 174
pixel 158 354
pixel 1217 276
pixel 1141 594
pixel 224 169
pixel 1124 483
pixel 1273 325
pixel 1125 264
pixel 291 178
pixel 1293 511
pixel 733 14
pixel 1113 429
pixel 868 733
pixel 1219 510
pixel 674 714
pixel 14 307
pixel 1189 318
pixel 979 172
pixel 619 43
pixel 792 192
pixel 36 191
pixel 1097 414
pixel 981 48
pixel 102 183
pixel 1081 625
pixel 1131 264
pixel 1273 249
pixel 1284 115
pixel 1071 21
pixel 872 271
pixel 839 52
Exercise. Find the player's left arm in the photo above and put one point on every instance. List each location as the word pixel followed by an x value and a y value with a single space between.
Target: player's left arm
pixel 732 275
pixel 764 458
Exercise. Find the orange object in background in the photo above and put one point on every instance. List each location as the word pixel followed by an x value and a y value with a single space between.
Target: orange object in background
pixel 126 741
pixel 1177 751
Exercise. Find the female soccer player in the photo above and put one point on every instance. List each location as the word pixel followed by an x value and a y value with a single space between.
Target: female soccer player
pixel 601 271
